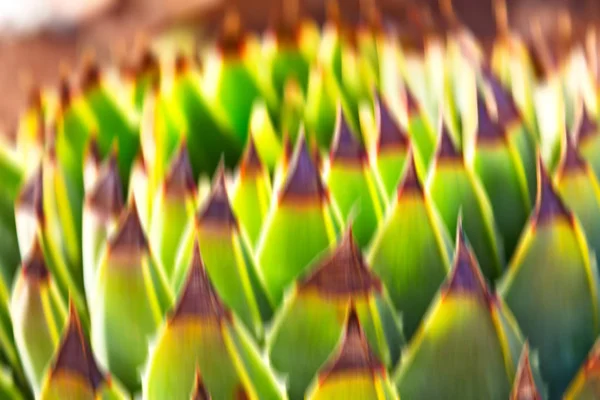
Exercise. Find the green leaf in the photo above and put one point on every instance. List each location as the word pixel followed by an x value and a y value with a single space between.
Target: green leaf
pixel 556 307
pixel 585 384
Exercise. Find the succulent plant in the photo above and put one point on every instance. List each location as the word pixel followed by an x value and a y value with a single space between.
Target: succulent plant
pixel 272 218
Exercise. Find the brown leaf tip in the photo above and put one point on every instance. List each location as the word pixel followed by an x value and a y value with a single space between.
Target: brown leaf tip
pixel 303 179
pixel 412 104
pixel 571 159
pixel 34 267
pixel 446 149
pixel 549 205
pixel 90 75
pixel 180 179
pixel 410 182
pixel 287 22
pixel 524 387
pixel 592 363
pixel 182 64
pixel 342 273
pixel 251 161
pixel 130 235
pixel 506 108
pixel 217 209
pixel 93 153
pixel 74 356
pixel 199 298
pixel 31 196
pixel 232 39
pixel 391 135
pixel 466 277
pixel 199 392
pixel 106 197
pixel 488 130
pixel 355 354
pixel 586 127
pixel 65 93
pixel 347 146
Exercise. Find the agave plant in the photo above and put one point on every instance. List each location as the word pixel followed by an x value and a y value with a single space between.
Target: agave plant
pixel 277 222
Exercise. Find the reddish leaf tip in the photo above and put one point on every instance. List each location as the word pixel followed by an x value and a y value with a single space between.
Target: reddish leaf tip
pixel 217 208
pixel 487 129
pixel 586 127
pixel 354 354
pixel 391 135
pixel 506 107
pixel 303 179
pixel 180 179
pixel 549 205
pixel 344 272
pixel 410 182
pixel 199 298
pixel 446 149
pixel 524 387
pixel 130 235
pixel 466 277
pixel 251 161
pixel 106 197
pixel 571 159
pixel 31 196
pixel 34 267
pixel 347 146
pixel 200 392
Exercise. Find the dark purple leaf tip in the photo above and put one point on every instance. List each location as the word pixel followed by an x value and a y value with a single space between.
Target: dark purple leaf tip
pixel 410 182
pixel 130 236
pixel 347 146
pixel 391 135
pixel 488 130
pixel 34 267
pixel 31 196
pixel 549 205
pixel 217 209
pixel 180 179
pixel 304 179
pixel 106 197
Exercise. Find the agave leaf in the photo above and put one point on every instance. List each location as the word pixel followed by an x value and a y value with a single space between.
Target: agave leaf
pixel 130 298
pixel 140 190
pixel 38 224
pixel 549 106
pixel 251 196
pixel 203 335
pixel 392 148
pixel 308 327
pixel 497 164
pixel 354 185
pixel 453 188
pixel 173 207
pixel 228 258
pixel 116 119
pixel 74 373
pixel 31 131
pixel 354 371
pixel 585 383
pixel 9 190
pixel 588 140
pixel 291 112
pixel 146 76
pixel 8 389
pixel 208 133
pixel 579 188
pixel 104 204
pixel 299 225
pixel 556 307
pixel 38 314
pixel 524 386
pixel 519 135
pixel 266 138
pixel 422 134
pixel 228 79
pixel 411 250
pixel 321 103
pixel 462 348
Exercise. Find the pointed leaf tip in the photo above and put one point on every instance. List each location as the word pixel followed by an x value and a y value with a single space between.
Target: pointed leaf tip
pixel 571 160
pixel 71 356
pixel 446 148
pixel 200 392
pixel 94 155
pixel 549 205
pixel 587 127
pixel 251 160
pixel 506 107
pixel 487 129
pixel 287 22
pixel 34 267
pixel 106 196
pixel 180 179
pixel 354 354
pixel 524 387
pixel 90 76
pixel 217 209
pixel 466 277
pixel 412 104
pixel 232 38
pixel 199 298
pixel 347 146
pixel 344 272
pixel 31 196
pixel 130 235
pixel 304 179
pixel 391 135
pixel 65 93
pixel 592 363
pixel 410 182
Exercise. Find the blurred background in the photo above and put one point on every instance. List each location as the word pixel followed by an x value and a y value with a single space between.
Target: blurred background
pixel 37 37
